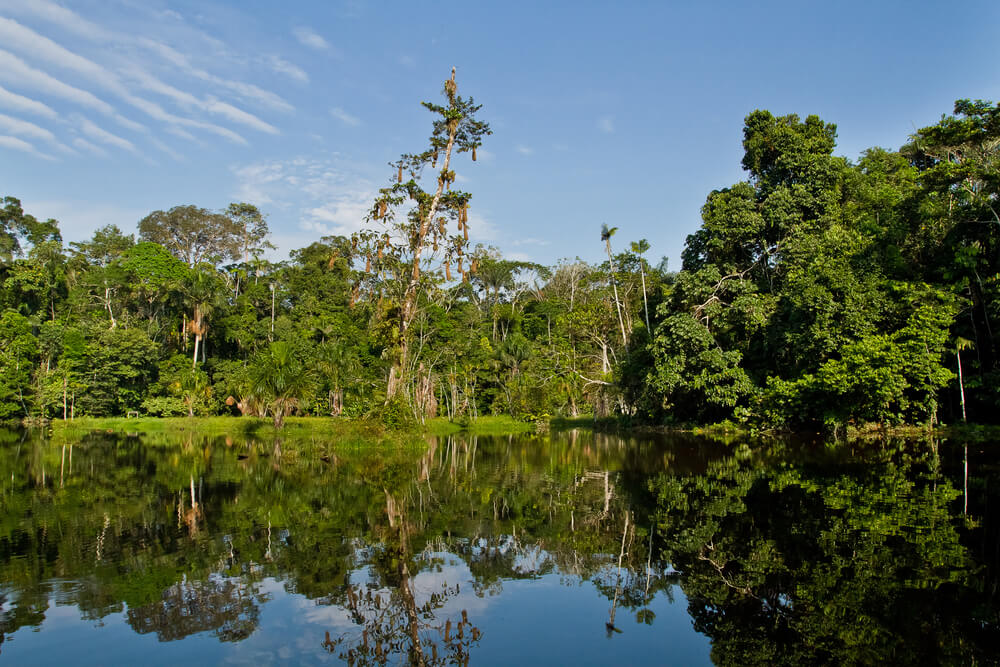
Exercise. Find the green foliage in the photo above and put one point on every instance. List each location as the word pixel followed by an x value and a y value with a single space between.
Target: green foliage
pixel 281 381
pixel 18 351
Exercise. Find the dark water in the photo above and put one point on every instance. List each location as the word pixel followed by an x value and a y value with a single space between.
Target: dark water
pixel 563 548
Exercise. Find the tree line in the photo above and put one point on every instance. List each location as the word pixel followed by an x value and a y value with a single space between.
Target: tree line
pixel 818 292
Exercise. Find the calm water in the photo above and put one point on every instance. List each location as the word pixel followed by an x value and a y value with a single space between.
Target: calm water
pixel 562 548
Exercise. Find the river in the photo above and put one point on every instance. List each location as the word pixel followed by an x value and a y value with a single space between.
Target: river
pixel 563 547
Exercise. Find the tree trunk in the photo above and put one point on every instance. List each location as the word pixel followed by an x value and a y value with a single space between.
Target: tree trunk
pixel 614 287
pixel 645 303
pixel 961 385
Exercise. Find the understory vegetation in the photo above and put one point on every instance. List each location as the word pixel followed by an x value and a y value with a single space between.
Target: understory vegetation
pixel 818 292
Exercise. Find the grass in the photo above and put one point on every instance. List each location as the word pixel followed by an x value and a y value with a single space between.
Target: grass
pixel 498 424
pixel 327 427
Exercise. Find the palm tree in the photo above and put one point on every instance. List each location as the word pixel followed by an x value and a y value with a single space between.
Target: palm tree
pixel 204 294
pixel 639 247
pixel 606 235
pixel 337 361
pixel 280 380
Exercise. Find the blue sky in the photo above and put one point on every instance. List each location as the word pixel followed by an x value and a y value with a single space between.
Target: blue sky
pixel 627 113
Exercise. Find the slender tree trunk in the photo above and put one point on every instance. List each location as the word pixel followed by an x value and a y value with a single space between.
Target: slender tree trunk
pixel 107 304
pixel 961 385
pixel 645 303
pixel 614 286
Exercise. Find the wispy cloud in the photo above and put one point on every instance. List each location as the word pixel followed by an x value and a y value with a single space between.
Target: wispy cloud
pixel 23 146
pixel 64 18
pixel 15 102
pixel 344 117
pixel 257 182
pixel 606 124
pixel 309 38
pixel 167 149
pixel 22 128
pixel 282 66
pixel 38 47
pixel 74 23
pixel 123 80
pixel 239 116
pixel 98 134
pixel 328 198
pixel 83 144
pixel 524 150
pixel 245 90
pixel 169 14
pixel 15 70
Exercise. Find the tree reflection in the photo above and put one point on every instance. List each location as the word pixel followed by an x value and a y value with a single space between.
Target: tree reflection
pixel 228 608
pixel 845 563
pixel 784 555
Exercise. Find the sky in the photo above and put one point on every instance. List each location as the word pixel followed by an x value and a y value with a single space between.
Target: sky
pixel 625 113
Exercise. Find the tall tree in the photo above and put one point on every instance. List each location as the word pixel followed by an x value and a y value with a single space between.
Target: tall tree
pixel 606 234
pixel 639 248
pixel 400 245
pixel 193 234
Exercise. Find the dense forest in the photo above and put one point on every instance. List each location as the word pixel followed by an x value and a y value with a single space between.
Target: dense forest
pixel 817 293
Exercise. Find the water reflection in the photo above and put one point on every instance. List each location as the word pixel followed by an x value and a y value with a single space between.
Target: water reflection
pixel 498 549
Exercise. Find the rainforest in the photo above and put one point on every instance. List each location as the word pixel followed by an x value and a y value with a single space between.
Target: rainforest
pixel 819 293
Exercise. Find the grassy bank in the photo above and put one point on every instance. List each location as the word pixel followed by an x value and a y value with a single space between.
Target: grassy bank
pixel 326 427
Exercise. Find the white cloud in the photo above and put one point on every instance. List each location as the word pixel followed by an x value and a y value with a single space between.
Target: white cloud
pixel 169 14
pixel 239 116
pixel 167 149
pixel 34 46
pixel 23 128
pixel 183 134
pixel 19 38
pixel 407 61
pixel 98 134
pixel 23 146
pixel 41 47
pixel 343 214
pixel 480 228
pixel 155 85
pixel 606 124
pixel 257 180
pixel 245 90
pixel 309 38
pixel 344 117
pixel 524 150
pixel 15 70
pixel 72 22
pixel 15 102
pixel 156 111
pixel 326 197
pixel 65 18
pixel 282 66
pixel 89 147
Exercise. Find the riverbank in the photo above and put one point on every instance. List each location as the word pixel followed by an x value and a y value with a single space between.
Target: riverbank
pixel 328 427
